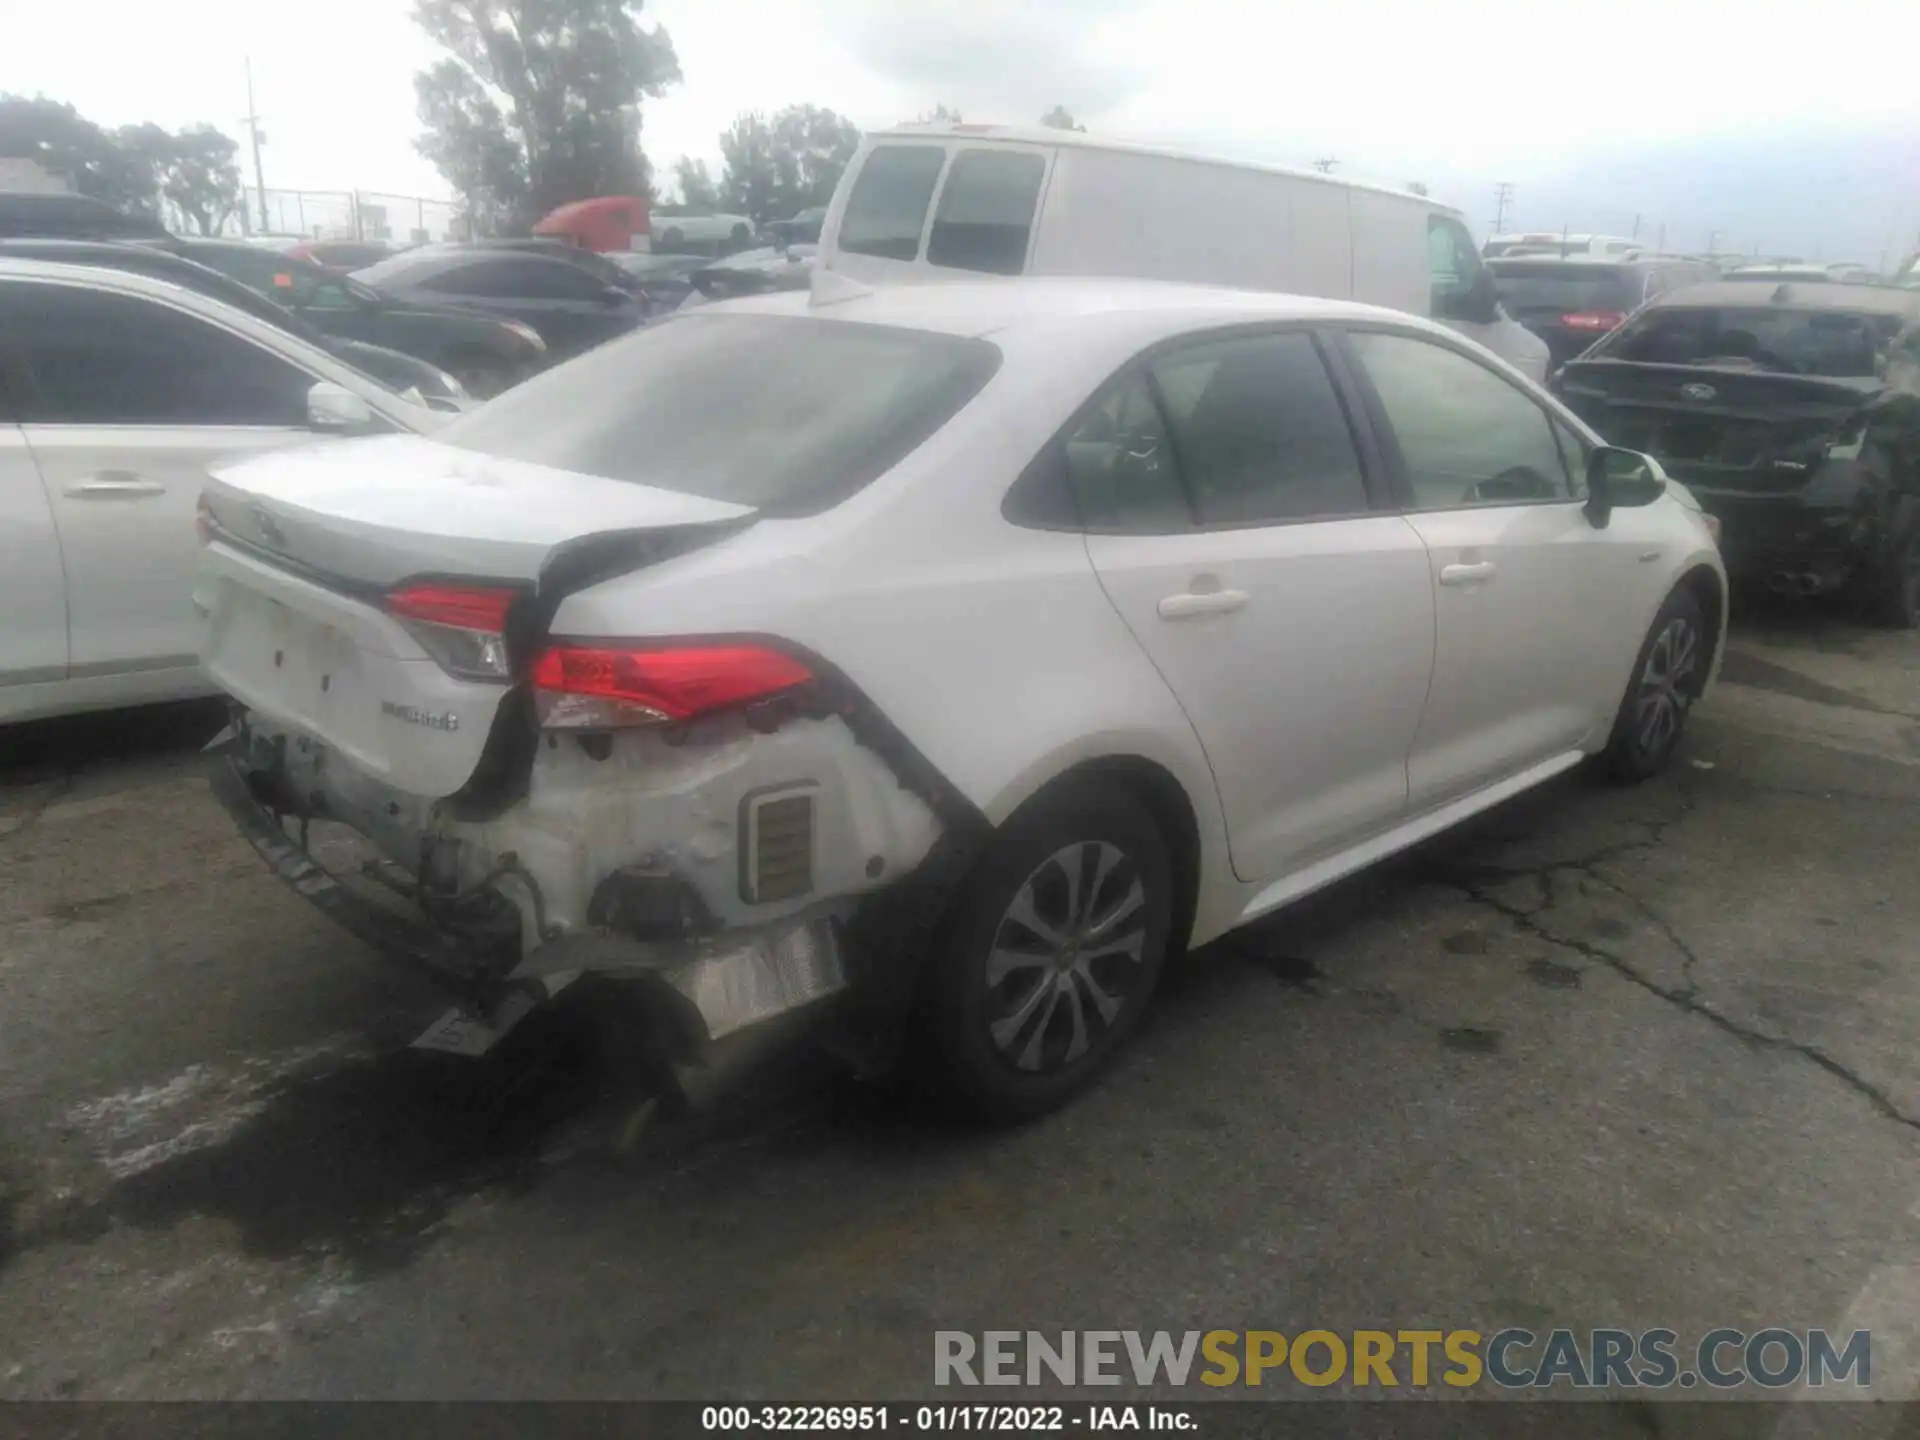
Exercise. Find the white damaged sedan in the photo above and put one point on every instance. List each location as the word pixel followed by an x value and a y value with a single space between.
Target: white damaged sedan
pixel 939 661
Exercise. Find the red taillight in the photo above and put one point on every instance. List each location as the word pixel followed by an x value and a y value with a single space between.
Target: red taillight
pixel 469 607
pixel 462 626
pixel 582 687
pixel 1593 320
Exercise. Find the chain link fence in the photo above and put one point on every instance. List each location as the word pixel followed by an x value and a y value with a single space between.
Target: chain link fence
pixel 355 215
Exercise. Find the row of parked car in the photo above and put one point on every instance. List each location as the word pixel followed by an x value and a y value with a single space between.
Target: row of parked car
pixel 450 321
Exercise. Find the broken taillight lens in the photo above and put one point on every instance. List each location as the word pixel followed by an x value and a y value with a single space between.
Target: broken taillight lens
pixel 579 687
pixel 461 626
pixel 1593 320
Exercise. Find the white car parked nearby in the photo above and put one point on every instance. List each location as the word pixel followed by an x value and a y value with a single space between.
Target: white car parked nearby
pixel 117 392
pixel 957 652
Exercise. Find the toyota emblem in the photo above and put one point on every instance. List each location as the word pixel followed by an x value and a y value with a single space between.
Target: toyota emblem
pixel 269 529
pixel 1697 391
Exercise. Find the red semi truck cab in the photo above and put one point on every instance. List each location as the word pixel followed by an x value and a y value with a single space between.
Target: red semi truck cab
pixel 607 222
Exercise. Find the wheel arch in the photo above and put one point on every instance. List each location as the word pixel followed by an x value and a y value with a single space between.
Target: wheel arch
pixel 1709 587
pixel 1172 807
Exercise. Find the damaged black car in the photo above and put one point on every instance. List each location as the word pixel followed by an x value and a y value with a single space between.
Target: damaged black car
pixel 1793 414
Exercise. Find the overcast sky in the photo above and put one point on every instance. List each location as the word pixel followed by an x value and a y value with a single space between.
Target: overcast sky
pixel 1696 115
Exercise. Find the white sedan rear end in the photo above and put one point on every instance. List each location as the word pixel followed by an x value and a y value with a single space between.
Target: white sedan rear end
pixel 943 659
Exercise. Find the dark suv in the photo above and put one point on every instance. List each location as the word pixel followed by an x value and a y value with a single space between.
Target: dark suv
pixel 1572 301
pixel 1792 413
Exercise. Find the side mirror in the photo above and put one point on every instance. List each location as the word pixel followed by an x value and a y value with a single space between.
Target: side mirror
pixel 335 410
pixel 1621 480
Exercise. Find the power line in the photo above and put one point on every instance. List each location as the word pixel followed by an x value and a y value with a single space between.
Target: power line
pixel 1502 197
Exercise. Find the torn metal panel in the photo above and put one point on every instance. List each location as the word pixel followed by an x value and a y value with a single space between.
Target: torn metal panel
pixel 751 983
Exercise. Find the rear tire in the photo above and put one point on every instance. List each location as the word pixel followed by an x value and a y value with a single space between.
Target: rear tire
pixel 1668 675
pixel 1048 957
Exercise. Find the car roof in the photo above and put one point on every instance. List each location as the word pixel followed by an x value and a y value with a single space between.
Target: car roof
pixel 425 259
pixel 1077 139
pixel 978 308
pixel 1834 295
pixel 1556 237
pixel 1581 260
pixel 13 267
pixel 60 206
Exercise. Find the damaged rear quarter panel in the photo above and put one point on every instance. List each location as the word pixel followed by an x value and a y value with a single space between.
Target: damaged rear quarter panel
pixel 676 803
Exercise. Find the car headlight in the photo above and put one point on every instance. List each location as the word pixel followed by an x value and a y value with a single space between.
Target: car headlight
pixel 526 333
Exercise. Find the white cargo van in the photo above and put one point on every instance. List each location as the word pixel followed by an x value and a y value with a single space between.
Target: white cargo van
pixel 925 202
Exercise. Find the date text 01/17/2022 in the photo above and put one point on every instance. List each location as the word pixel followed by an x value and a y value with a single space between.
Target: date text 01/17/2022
pixel 987 1419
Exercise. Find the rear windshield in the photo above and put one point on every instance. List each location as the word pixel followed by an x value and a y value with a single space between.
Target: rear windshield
pixel 1535 244
pixel 349 254
pixel 787 414
pixel 1574 289
pixel 1830 343
pixel 382 271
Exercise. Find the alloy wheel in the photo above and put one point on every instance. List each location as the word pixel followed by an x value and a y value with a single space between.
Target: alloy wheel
pixel 1667 686
pixel 1066 957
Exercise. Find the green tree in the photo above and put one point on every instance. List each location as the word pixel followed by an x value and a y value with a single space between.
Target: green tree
pixel 64 142
pixel 698 192
pixel 538 101
pixel 777 167
pixel 1059 118
pixel 466 140
pixel 1416 187
pixel 199 173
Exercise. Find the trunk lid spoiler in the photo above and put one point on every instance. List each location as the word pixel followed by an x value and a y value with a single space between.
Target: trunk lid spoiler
pixel 368 514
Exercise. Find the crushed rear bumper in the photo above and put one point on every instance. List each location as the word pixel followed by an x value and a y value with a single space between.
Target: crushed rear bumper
pixel 707 988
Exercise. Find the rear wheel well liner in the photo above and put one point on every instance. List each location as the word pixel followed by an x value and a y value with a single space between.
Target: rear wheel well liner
pixel 1167 801
pixel 1711 591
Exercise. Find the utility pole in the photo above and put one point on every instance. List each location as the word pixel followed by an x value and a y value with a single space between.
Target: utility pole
pixel 1660 244
pixel 1636 228
pixel 253 133
pixel 1325 164
pixel 1502 197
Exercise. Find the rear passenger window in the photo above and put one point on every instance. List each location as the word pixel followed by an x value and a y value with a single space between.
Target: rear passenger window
pixel 888 207
pixel 986 211
pixel 1119 466
pixel 1260 432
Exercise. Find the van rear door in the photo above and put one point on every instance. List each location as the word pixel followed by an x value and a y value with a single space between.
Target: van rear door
pixel 942 206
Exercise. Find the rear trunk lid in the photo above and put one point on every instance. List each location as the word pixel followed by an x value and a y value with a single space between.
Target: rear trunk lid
pixel 1716 428
pixel 306 545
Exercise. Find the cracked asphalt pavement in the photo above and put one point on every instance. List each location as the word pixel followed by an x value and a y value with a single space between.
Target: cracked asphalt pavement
pixel 1608 1057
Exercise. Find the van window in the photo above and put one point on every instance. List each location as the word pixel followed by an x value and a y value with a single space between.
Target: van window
pixel 986 211
pixel 888 207
pixel 1453 266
